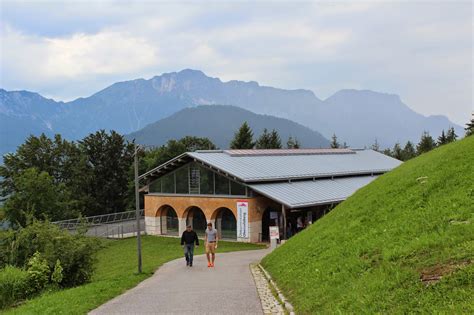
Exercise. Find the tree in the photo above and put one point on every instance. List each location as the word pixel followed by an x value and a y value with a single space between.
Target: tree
pixel 470 127
pixel 264 141
pixel 397 152
pixel 293 143
pixel 387 152
pixel 109 159
pixel 408 151
pixel 376 146
pixel 36 196
pixel 334 143
pixel 275 140
pixel 451 135
pixel 426 143
pixel 243 138
pixel 442 139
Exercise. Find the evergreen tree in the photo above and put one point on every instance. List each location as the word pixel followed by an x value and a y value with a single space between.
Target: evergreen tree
pixel 293 143
pixel 442 139
pixel 344 145
pixel 275 141
pixel 334 143
pixel 387 152
pixel 109 159
pixel 243 138
pixel 376 146
pixel 451 135
pixel 397 152
pixel 426 144
pixel 470 127
pixel 408 151
pixel 264 141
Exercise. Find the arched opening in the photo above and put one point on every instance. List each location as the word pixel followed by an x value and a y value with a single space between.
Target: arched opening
pixel 270 217
pixel 226 224
pixel 169 221
pixel 197 220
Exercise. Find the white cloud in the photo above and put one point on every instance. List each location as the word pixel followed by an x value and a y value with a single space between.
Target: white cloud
pixel 421 51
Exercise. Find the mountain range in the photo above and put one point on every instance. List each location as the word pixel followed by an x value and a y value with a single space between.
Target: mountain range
pixel 225 121
pixel 355 116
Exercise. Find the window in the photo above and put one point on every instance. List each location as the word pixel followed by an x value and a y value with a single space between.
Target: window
pixel 182 180
pixel 167 184
pixel 222 185
pixel 194 179
pixel 155 186
pixel 237 189
pixel 206 181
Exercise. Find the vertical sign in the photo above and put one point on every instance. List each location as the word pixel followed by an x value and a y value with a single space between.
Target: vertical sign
pixel 242 219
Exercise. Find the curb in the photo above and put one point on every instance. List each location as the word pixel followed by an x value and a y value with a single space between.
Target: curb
pixel 286 304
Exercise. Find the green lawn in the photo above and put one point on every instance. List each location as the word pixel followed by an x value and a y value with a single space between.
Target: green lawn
pixel 115 273
pixel 369 254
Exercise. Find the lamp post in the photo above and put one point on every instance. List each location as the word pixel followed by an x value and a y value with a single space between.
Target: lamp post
pixel 137 210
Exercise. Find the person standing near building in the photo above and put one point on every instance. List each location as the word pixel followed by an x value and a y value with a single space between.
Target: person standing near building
pixel 188 238
pixel 211 244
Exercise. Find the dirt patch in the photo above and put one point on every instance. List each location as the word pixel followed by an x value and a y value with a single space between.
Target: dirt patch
pixel 433 274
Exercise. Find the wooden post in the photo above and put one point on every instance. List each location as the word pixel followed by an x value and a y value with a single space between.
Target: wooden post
pixel 283 211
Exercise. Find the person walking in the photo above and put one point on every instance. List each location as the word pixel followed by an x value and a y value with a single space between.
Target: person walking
pixel 211 244
pixel 188 238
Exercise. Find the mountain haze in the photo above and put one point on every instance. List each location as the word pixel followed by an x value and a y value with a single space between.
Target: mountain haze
pixel 219 123
pixel 357 117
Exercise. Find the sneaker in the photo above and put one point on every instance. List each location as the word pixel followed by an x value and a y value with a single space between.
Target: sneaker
pixel 209 265
pixel 212 265
pixel 191 264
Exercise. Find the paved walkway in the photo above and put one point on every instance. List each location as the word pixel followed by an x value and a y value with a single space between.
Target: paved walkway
pixel 228 288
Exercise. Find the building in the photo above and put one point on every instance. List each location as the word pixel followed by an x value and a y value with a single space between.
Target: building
pixel 243 192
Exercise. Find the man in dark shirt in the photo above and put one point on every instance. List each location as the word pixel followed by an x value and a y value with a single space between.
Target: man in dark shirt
pixel 188 239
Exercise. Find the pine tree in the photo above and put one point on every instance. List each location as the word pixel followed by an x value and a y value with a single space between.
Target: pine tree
pixel 408 151
pixel 426 143
pixel 470 127
pixel 387 152
pixel 243 138
pixel 451 136
pixel 397 152
pixel 293 143
pixel 334 143
pixel 264 141
pixel 275 141
pixel 442 139
pixel 376 146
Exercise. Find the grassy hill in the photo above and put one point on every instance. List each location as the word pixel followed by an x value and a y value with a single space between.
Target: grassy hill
pixel 403 244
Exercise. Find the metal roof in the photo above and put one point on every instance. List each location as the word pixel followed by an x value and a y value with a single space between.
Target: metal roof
pixel 267 152
pixel 274 166
pixel 312 192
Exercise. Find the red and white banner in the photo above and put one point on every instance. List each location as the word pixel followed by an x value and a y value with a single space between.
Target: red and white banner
pixel 242 219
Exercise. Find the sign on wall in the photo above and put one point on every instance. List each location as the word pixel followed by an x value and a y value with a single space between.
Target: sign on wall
pixel 242 219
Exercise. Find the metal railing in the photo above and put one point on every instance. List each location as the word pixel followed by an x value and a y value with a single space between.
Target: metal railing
pixel 73 224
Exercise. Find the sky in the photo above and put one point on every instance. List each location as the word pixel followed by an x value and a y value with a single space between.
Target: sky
pixel 420 50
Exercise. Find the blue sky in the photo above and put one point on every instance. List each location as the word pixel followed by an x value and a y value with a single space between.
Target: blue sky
pixel 421 51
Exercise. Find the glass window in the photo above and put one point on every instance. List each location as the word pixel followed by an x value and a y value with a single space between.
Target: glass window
pixel 206 181
pixel 222 185
pixel 237 189
pixel 155 186
pixel 194 179
pixel 182 180
pixel 167 183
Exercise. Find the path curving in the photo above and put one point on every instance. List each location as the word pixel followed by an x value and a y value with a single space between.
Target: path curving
pixel 228 288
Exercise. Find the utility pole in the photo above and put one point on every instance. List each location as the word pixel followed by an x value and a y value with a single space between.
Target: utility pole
pixel 137 210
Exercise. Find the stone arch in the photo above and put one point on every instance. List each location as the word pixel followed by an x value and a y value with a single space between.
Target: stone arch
pixel 225 223
pixel 195 217
pixel 169 224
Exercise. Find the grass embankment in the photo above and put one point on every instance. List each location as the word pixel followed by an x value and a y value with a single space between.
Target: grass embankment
pixel 115 273
pixel 403 244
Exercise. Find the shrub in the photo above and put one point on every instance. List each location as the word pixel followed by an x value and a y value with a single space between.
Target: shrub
pixel 57 275
pixel 13 285
pixel 76 253
pixel 38 273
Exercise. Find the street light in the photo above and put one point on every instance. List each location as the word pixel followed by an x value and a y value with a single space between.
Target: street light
pixel 137 210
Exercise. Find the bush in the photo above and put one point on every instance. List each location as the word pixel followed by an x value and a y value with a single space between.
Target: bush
pixel 57 275
pixel 76 253
pixel 13 285
pixel 38 273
